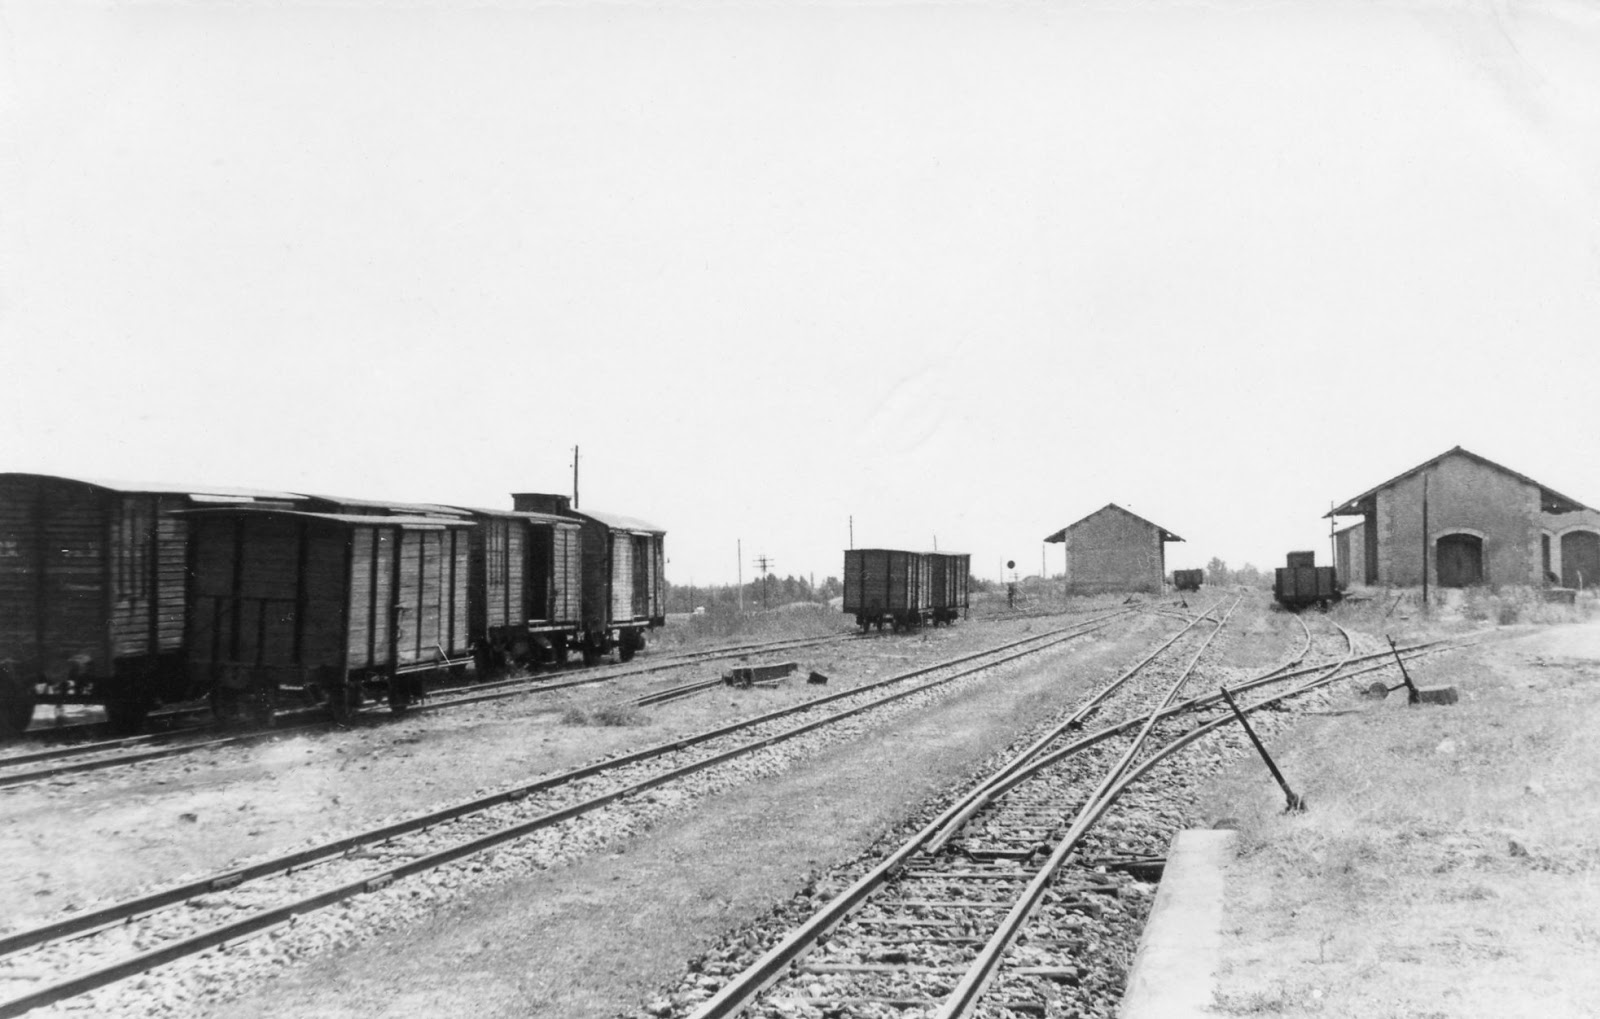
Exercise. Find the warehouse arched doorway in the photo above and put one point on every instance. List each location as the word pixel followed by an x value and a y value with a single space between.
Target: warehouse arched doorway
pixel 1459 558
pixel 1580 559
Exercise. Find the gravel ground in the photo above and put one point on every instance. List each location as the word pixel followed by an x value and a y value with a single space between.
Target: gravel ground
pixel 101 834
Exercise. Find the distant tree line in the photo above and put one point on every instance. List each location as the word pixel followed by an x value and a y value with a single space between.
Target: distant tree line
pixel 1217 573
pixel 771 592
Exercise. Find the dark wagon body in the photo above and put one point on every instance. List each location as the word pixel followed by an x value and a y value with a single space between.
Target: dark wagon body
pixel 884 585
pixel 1303 583
pixel 93 590
pixel 949 573
pixel 525 591
pixel 1188 580
pixel 624 575
pixel 327 607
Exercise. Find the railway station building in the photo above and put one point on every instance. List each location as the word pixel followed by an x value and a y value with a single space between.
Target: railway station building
pixel 1467 521
pixel 1113 549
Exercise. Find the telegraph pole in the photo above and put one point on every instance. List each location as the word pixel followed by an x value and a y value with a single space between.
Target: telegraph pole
pixel 574 477
pixel 739 547
pixel 764 563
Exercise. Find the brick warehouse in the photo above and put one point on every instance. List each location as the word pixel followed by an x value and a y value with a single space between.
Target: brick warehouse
pixel 1112 549
pixel 1486 524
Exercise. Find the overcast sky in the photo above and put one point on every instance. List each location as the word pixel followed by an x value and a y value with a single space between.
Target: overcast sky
pixel 965 271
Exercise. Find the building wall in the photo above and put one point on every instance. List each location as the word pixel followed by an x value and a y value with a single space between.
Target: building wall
pixel 1463 496
pixel 1113 551
pixel 1350 551
pixel 1558 525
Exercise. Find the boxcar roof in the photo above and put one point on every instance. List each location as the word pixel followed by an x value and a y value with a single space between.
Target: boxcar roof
pixel 618 522
pixel 199 493
pixel 347 519
pixel 529 515
pixel 416 509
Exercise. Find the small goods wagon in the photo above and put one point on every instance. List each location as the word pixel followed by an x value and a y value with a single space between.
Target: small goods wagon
pixel 92 593
pixel 884 585
pixel 624 575
pixel 328 607
pixel 1188 580
pixel 1302 582
pixel 524 596
pixel 949 572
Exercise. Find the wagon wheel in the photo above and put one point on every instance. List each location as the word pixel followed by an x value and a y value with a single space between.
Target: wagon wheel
pixel 17 701
pixel 399 695
pixel 126 714
pixel 344 699
pixel 224 704
pixel 261 704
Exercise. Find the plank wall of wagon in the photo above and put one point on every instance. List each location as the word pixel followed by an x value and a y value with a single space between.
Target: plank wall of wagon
pixel 513 608
pixel 596 585
pixel 622 579
pixel 172 540
pixel 74 606
pixel 365 607
pixel 460 635
pixel 566 605
pixel 408 595
pixel 323 596
pixel 19 577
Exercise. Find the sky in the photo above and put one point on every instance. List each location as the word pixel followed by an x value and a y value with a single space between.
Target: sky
pixel 796 274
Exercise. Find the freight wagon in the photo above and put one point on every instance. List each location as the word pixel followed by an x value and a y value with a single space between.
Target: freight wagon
pixel 93 592
pixel 1188 580
pixel 1302 582
pixel 323 607
pixel 524 597
pixel 887 586
pixel 950 573
pixel 624 575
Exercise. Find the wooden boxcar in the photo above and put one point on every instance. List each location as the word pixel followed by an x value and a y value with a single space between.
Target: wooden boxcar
pixel 92 593
pixel 884 585
pixel 524 595
pixel 1303 583
pixel 624 575
pixel 949 573
pixel 1188 580
pixel 329 607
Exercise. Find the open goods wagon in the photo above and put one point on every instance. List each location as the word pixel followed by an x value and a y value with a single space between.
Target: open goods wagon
pixel 1302 582
pixel 949 573
pixel 887 586
pixel 323 607
pixel 93 588
pixel 624 575
pixel 1188 580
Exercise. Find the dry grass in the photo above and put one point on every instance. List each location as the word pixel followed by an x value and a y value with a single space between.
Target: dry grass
pixel 1448 863
pixel 799 619
pixel 609 714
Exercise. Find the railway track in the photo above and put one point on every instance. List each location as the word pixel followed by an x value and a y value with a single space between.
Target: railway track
pixel 97 947
pixel 39 766
pixel 993 907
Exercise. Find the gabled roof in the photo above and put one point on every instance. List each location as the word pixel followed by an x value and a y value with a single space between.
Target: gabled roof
pixel 1550 501
pixel 199 493
pixel 409 523
pixel 528 515
pixel 342 504
pixel 1166 535
pixel 618 522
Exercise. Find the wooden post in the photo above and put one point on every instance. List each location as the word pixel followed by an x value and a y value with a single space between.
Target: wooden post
pixel 574 477
pixel 1424 539
pixel 739 551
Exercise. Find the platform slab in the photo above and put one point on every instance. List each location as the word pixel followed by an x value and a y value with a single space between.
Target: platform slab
pixel 1174 971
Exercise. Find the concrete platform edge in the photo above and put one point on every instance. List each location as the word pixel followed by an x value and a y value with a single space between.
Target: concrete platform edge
pixel 1174 970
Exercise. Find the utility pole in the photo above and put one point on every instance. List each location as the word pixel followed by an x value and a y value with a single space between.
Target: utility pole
pixel 1424 539
pixel 764 563
pixel 574 477
pixel 739 547
pixel 852 530
pixel 1333 542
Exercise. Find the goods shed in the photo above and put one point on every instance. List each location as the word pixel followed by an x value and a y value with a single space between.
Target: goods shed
pixel 1113 549
pixel 1461 520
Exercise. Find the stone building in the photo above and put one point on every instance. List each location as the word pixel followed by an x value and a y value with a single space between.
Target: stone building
pixel 1112 549
pixel 1485 524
